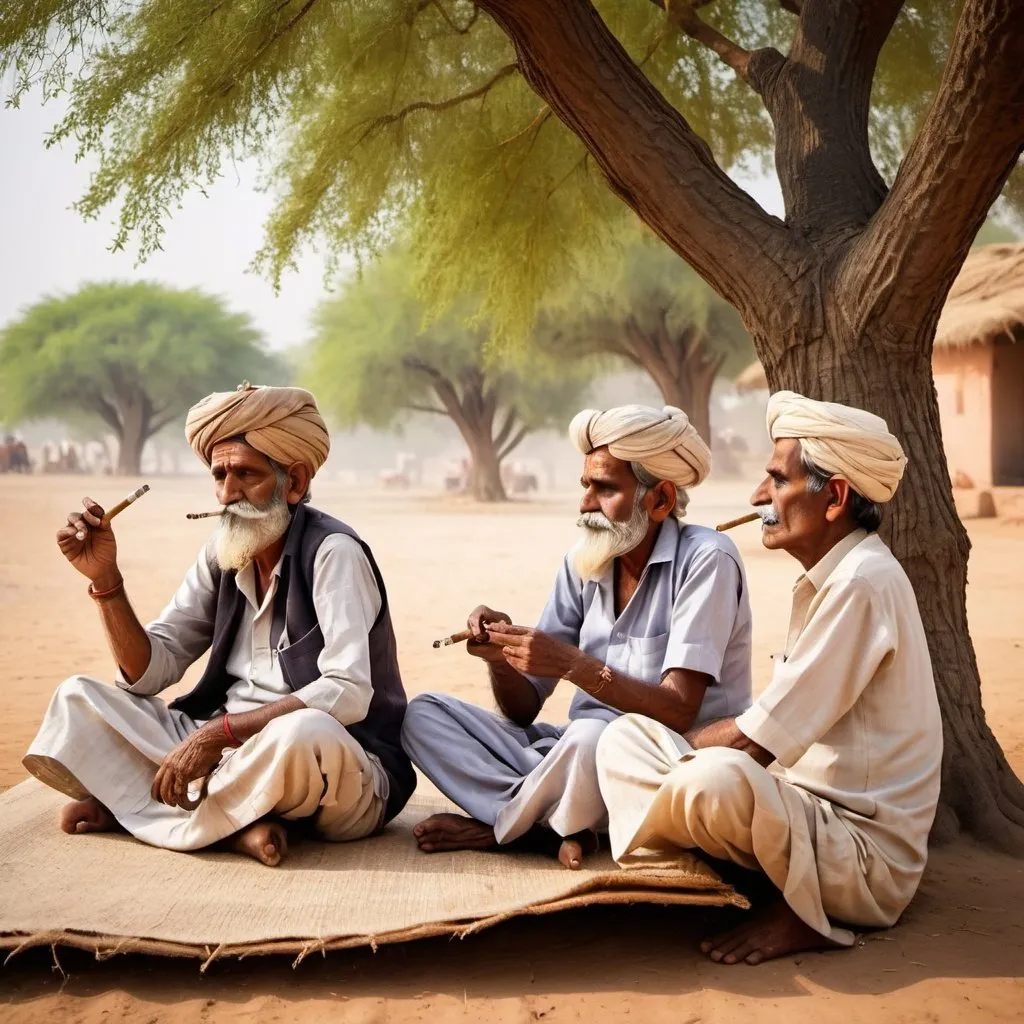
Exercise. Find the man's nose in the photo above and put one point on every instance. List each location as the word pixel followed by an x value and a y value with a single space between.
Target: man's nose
pixel 589 502
pixel 761 496
pixel 229 490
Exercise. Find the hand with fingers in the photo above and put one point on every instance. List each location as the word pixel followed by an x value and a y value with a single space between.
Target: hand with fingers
pixel 192 759
pixel 531 652
pixel 478 621
pixel 88 543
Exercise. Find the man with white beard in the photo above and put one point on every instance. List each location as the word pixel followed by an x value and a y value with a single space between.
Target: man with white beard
pixel 297 716
pixel 648 614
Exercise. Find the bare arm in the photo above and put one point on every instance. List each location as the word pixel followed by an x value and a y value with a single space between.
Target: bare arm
pixel 675 702
pixel 88 543
pixel 724 732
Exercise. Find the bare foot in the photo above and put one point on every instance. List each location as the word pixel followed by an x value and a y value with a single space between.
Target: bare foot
pixel 572 849
pixel 773 932
pixel 266 841
pixel 453 832
pixel 88 815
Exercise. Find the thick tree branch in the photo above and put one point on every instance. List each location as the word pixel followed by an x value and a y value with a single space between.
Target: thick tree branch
pixel 415 407
pixel 687 18
pixel 506 428
pixel 385 120
pixel 107 411
pixel 819 100
pixel 513 443
pixel 969 143
pixel 651 157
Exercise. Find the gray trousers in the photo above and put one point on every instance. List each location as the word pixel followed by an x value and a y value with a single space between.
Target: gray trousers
pixel 504 775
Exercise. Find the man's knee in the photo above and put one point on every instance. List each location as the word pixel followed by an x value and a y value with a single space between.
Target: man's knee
pixel 306 727
pixel 617 737
pixel 421 711
pixel 85 689
pixel 713 778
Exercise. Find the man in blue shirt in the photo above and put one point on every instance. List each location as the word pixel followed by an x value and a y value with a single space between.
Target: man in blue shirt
pixel 648 615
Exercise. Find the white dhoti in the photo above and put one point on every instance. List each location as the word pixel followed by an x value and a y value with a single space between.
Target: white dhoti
pixel 661 792
pixel 97 740
pixel 505 775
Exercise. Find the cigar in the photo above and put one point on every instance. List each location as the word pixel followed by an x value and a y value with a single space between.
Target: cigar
pixel 455 638
pixel 748 518
pixel 119 507
pixel 203 515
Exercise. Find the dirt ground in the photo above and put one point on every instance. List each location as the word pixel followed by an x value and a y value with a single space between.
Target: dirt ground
pixel 958 954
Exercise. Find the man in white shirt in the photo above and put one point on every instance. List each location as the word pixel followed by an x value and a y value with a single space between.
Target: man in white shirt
pixel 829 782
pixel 298 713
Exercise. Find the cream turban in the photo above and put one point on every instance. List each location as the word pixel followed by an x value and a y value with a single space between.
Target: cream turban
pixel 282 423
pixel 663 442
pixel 848 442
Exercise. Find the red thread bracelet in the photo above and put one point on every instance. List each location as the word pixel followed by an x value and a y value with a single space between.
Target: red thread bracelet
pixel 100 595
pixel 232 739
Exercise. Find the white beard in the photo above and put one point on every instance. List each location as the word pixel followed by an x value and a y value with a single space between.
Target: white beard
pixel 604 540
pixel 245 530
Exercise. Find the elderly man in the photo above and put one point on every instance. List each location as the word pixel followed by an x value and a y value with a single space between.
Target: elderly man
pixel 648 614
pixel 828 784
pixel 298 713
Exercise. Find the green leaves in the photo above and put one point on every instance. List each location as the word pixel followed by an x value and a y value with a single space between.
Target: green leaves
pixel 112 344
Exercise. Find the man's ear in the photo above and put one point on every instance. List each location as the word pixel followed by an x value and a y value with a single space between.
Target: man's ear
pixel 839 498
pixel 297 483
pixel 663 499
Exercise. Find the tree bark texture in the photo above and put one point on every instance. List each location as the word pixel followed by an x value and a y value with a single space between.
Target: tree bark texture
pixel 842 298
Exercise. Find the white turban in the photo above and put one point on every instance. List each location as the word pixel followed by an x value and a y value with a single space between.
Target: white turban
pixel 282 423
pixel 663 441
pixel 844 441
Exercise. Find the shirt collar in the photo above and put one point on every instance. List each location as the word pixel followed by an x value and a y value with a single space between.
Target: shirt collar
pixel 824 567
pixel 665 546
pixel 245 580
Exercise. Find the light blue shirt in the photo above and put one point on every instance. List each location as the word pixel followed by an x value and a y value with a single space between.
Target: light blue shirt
pixel 690 610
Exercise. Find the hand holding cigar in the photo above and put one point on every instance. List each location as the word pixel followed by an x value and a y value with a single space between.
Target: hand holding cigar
pixel 87 541
pixel 455 638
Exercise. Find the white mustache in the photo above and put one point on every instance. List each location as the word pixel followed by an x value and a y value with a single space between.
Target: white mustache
pixel 595 521
pixel 769 515
pixel 246 510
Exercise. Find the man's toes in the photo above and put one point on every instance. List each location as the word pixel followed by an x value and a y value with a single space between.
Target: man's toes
pixel 740 952
pixel 724 946
pixel 756 957
pixel 570 854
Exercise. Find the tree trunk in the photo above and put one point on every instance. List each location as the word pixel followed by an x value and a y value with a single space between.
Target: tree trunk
pixel 134 433
pixel 485 469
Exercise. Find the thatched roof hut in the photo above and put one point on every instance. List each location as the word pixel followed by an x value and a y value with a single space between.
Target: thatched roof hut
pixel 986 302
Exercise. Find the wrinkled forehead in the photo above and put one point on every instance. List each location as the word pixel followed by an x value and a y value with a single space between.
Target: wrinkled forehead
pixel 236 453
pixel 785 459
pixel 600 466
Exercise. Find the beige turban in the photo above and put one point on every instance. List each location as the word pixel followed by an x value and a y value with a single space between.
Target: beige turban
pixel 663 442
pixel 847 442
pixel 282 423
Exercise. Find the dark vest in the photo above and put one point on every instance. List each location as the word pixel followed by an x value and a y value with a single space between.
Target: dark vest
pixel 380 731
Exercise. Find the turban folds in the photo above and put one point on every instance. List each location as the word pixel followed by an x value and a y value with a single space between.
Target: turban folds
pixel 844 441
pixel 282 423
pixel 663 441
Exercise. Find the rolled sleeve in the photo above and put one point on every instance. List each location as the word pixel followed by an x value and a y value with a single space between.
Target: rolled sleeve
pixel 562 619
pixel 849 632
pixel 182 633
pixel 704 614
pixel 347 602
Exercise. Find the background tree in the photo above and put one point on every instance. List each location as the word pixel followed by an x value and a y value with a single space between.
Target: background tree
pixel 646 306
pixel 373 358
pixel 134 356
pixel 418 115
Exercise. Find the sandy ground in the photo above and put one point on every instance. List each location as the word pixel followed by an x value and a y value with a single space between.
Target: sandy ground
pixel 958 955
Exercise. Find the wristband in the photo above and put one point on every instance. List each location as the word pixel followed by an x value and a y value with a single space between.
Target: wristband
pixel 232 739
pixel 104 595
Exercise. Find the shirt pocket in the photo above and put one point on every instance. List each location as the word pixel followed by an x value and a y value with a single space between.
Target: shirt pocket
pixel 645 656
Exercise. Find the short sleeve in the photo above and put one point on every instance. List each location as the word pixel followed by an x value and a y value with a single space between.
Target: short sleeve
pixel 849 634
pixel 704 613
pixel 562 619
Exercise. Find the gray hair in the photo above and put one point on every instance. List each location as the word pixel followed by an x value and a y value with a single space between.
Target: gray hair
pixel 866 514
pixel 647 481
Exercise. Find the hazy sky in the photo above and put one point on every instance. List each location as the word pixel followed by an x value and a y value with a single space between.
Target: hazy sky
pixel 46 248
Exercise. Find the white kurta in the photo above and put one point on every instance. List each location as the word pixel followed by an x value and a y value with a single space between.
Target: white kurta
pixel 109 741
pixel 840 822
